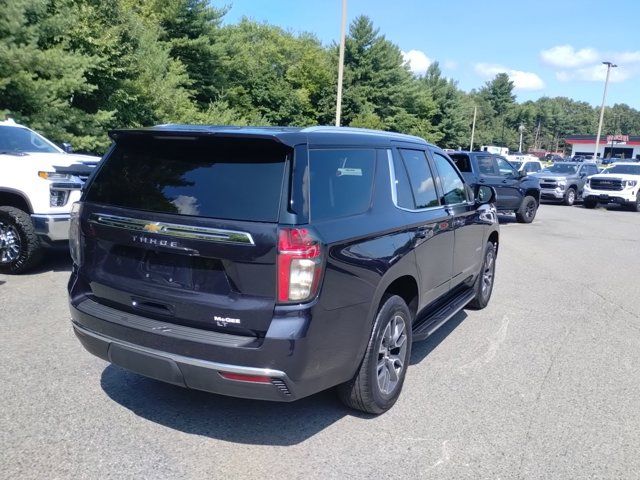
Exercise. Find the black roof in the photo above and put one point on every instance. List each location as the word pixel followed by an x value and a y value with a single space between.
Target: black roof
pixel 286 135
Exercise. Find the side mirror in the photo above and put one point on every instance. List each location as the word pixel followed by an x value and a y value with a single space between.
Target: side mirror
pixel 67 147
pixel 484 194
pixel 523 174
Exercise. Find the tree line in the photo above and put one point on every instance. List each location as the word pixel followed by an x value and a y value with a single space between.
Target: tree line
pixel 73 69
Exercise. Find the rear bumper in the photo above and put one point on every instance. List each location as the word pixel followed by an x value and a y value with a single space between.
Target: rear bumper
pixel 186 371
pixel 299 357
pixel 53 227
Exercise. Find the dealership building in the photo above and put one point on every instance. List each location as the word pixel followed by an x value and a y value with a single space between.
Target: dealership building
pixel 625 146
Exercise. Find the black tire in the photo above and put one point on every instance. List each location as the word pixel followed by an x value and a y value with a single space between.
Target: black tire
pixel 364 391
pixel 635 207
pixel 590 204
pixel 20 247
pixel 484 290
pixel 528 210
pixel 570 197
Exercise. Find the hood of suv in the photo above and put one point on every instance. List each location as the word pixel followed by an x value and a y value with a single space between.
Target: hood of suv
pixel 615 176
pixel 552 176
pixel 49 161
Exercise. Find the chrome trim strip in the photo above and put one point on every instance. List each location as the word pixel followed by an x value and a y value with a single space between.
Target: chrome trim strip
pixel 223 367
pixel 208 234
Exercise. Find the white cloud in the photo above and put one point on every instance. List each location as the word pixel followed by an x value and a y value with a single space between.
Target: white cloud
pixel 586 64
pixel 417 60
pixel 566 56
pixel 450 64
pixel 594 73
pixel 625 58
pixel 521 80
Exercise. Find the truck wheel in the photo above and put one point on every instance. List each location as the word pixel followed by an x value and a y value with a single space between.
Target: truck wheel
pixel 570 197
pixel 20 247
pixel 527 211
pixel 484 282
pixel 635 207
pixel 590 204
pixel 377 384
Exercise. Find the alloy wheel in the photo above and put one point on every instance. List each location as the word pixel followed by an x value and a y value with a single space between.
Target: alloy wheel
pixel 392 352
pixel 530 209
pixel 488 272
pixel 9 243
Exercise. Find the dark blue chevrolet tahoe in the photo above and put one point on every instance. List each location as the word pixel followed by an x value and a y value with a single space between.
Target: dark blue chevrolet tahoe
pixel 273 263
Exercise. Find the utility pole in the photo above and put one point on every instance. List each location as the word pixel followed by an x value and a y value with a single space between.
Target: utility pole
pixel 343 29
pixel 521 129
pixel 473 127
pixel 604 97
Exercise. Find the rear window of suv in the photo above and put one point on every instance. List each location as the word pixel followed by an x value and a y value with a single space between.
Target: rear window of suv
pixel 227 179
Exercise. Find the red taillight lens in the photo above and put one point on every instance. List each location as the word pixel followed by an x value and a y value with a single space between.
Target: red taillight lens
pixel 299 265
pixel 239 377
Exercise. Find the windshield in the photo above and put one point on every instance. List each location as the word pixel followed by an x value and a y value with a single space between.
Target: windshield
pixel 624 169
pixel 516 165
pixel 562 168
pixel 20 139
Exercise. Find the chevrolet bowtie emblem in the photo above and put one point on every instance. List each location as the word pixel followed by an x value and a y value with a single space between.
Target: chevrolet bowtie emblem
pixel 152 227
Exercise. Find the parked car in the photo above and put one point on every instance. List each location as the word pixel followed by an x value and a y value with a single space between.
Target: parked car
pixel 39 182
pixel 516 192
pixel 525 163
pixel 564 181
pixel 272 263
pixel 619 184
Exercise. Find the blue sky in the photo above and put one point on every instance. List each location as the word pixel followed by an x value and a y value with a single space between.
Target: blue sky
pixel 548 48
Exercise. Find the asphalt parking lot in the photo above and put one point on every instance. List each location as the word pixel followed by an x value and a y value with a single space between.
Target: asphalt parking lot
pixel 544 383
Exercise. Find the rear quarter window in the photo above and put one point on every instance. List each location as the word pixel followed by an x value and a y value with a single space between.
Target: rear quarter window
pixel 341 182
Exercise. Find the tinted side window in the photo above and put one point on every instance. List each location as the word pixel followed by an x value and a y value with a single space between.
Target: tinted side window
pixel 422 185
pixel 462 161
pixel 341 182
pixel 487 166
pixel 452 184
pixel 404 195
pixel 505 168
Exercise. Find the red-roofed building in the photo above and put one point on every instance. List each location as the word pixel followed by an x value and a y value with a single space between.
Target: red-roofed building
pixel 627 146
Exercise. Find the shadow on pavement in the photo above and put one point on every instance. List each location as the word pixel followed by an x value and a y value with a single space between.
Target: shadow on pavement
pixel 504 218
pixel 55 260
pixel 420 350
pixel 240 420
pixel 224 418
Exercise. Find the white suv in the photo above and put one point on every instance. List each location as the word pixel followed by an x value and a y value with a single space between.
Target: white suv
pixel 39 182
pixel 618 184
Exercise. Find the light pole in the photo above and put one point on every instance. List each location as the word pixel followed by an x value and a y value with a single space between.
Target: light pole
pixel 343 29
pixel 521 130
pixel 473 127
pixel 604 97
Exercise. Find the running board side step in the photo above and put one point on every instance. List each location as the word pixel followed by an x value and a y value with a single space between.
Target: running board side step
pixel 426 326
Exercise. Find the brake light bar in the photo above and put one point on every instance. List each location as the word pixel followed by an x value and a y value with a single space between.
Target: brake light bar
pixel 299 265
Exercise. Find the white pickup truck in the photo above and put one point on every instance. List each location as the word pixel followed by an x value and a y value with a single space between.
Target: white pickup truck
pixel 38 184
pixel 618 184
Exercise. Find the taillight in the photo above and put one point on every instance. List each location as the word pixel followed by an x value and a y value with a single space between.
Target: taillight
pixel 299 265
